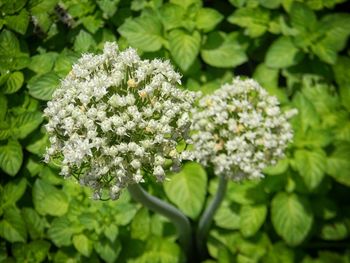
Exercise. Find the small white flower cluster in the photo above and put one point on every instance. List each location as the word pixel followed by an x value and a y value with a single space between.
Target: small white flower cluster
pixel 240 129
pixel 116 117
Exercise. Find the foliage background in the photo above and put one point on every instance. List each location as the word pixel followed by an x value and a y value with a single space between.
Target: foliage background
pixel 298 50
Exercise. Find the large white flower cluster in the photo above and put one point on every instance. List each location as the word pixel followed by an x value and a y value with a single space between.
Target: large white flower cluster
pixel 240 129
pixel 116 117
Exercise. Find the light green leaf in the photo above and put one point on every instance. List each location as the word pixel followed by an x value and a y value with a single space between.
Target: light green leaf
pixel 42 86
pixel 140 225
pixel 189 184
pixel 92 23
pixel 35 251
pixel 25 123
pixel 302 17
pixel 14 82
pixel 311 166
pixel 282 53
pixel 227 216
pixel 144 33
pixel 108 252
pixel 11 157
pixel 338 164
pixel 35 224
pixel 64 63
pixel 223 51
pixel 291 217
pixel 111 231
pixel 255 20
pixel 207 19
pixel 48 200
pixel 271 4
pixel 109 7
pixel 252 218
pixel 184 47
pixel 12 226
pixel 38 143
pixel 84 42
pixel 18 23
pixel 335 230
pixel 83 244
pixel 43 63
pixel 61 231
pixel 12 192
pixel 186 3
pixel 124 213
pixel 172 16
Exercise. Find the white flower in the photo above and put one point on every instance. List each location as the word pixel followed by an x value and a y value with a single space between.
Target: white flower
pixel 240 129
pixel 113 119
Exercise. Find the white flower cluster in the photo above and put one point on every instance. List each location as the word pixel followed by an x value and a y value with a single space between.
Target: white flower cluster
pixel 116 117
pixel 240 129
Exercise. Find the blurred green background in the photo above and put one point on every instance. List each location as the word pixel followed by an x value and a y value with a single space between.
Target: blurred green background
pixel 298 50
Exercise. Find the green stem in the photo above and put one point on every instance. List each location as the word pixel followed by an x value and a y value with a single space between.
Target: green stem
pixel 207 217
pixel 180 221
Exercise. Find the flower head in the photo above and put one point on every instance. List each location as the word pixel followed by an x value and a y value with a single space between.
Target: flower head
pixel 240 129
pixel 116 117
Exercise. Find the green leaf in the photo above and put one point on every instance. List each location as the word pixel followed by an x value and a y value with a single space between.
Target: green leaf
pixel 64 63
pixel 3 108
pixel 172 16
pixel 124 213
pixel 186 3
pixel 223 51
pixel 43 63
pixel 207 19
pixel 11 157
pixel 338 164
pixel 307 116
pixel 35 251
pixel 84 42
pixel 189 184
pixel 12 226
pixel 252 218
pixel 302 17
pixel 83 244
pixel 18 23
pixel 61 231
pixel 144 33
pixel 12 192
pixel 140 225
pixel 48 200
pixel 92 23
pixel 227 216
pixel 255 20
pixel 335 230
pixel 38 143
pixel 111 232
pixel 10 7
pixel 184 47
pixel 271 4
pixel 42 86
pixel 311 166
pixel 279 252
pixel 282 53
pixel 108 252
pixel 109 7
pixel 25 123
pixel 291 217
pixel 14 82
pixel 35 224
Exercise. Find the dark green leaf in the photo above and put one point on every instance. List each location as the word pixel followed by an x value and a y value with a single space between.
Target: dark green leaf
pixel 184 47
pixel 223 51
pixel 338 164
pixel 48 200
pixel 189 184
pixel 11 157
pixel 35 251
pixel 18 23
pixel 25 123
pixel 291 217
pixel 42 86
pixel 144 33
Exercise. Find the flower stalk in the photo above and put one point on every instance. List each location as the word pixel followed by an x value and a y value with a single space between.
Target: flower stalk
pixel 180 221
pixel 207 217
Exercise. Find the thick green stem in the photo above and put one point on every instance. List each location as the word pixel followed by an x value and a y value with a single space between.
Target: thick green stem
pixel 180 221
pixel 207 217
